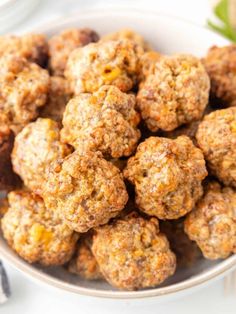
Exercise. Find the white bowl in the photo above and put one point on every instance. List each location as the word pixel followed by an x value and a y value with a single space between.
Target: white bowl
pixel 13 12
pixel 168 35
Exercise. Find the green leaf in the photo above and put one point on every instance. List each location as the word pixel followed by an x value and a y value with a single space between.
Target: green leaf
pixel 226 29
pixel 221 11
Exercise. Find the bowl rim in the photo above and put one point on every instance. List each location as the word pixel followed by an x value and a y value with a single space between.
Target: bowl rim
pixel 41 277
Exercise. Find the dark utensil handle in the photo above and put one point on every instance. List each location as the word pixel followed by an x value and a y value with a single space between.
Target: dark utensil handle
pixel 5 291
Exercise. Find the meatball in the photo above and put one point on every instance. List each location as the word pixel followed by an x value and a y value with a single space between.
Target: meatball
pixel 58 96
pixel 84 263
pixel 35 232
pixel 33 47
pixel 216 136
pixel 104 63
pixel 127 34
pixel 212 224
pixel 8 179
pixel 176 93
pixel 147 64
pixel 35 147
pixel 86 189
pixel 61 45
pixel 167 175
pixel 24 88
pixel 132 253
pixel 220 64
pixel 105 120
pixel 186 251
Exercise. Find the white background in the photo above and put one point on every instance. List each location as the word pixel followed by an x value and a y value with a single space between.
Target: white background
pixel 31 298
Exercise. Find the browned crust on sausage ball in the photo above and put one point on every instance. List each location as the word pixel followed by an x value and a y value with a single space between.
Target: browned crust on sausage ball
pixel 212 224
pixel 105 120
pixel 176 93
pixel 33 47
pixel 35 232
pixel 35 147
pixel 167 176
pixel 220 63
pixel 24 88
pixel 86 189
pixel 216 136
pixel 132 254
pixel 104 63
pixel 62 44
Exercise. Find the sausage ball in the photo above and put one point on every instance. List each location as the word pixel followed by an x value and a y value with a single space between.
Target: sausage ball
pixel 167 175
pixel 35 147
pixel 176 93
pixel 58 96
pixel 212 224
pixel 216 136
pixel 105 120
pixel 35 232
pixel 127 33
pixel 132 253
pixel 147 64
pixel 186 251
pixel 220 64
pixel 33 47
pixel 86 189
pixel 104 63
pixel 24 88
pixel 8 179
pixel 84 263
pixel 62 44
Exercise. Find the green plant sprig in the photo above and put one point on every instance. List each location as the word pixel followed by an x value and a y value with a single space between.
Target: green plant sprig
pixel 221 11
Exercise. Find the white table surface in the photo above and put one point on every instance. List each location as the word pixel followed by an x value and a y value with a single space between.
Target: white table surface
pixel 30 298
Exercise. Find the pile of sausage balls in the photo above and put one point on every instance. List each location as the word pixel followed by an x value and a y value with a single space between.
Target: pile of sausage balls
pixel 119 162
